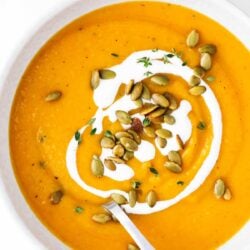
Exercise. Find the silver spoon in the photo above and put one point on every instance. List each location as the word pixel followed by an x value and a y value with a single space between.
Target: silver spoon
pixel 130 227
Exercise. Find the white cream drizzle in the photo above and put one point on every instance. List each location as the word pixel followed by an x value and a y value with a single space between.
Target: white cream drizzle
pixel 104 97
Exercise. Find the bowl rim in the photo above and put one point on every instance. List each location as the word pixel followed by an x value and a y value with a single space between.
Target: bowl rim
pixel 221 11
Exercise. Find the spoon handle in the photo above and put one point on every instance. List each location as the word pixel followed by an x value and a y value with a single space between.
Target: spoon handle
pixel 130 227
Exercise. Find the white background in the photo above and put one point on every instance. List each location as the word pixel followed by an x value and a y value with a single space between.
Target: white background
pixel 17 18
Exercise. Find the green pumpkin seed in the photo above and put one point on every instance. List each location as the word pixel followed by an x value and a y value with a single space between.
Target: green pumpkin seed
pixel 174 156
pixel 158 112
pixel 121 134
pixel 97 168
pixel 197 90
pixel 118 150
pixel 118 198
pixel 208 48
pixel 110 164
pixel 149 131
pixel 136 137
pixel 95 79
pixel 148 109
pixel 132 197
pixel 161 142
pixel 101 218
pixel 159 80
pixel 53 96
pixel 160 100
pixel 169 119
pixel 219 188
pixel 137 91
pixel 138 103
pixel 107 142
pixel 163 133
pixel 179 141
pixel 128 155
pixel 106 74
pixel 151 198
pixel 173 167
pixel 123 117
pixel 146 93
pixel 116 160
pixel 199 71
pixel 56 197
pixel 206 61
pixel 192 39
pixel 173 104
pixel 194 81
pixel 129 144
pixel 129 87
pixel 133 247
pixel 227 195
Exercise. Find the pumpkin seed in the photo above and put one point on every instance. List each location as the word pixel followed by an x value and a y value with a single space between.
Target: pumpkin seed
pixel 163 133
pixel 161 142
pixel 151 198
pixel 95 79
pixel 101 218
pixel 116 160
pixel 159 80
pixel 146 109
pixel 146 93
pixel 132 197
pixel 123 117
pixel 133 247
pixel 219 188
pixel 197 90
pixel 173 104
pixel 56 197
pixel 206 61
pixel 208 48
pixel 136 137
pixel 157 120
pixel 227 195
pixel 97 167
pixel 129 144
pixel 199 71
pixel 118 198
pixel 121 134
pixel 174 156
pixel 194 81
pixel 53 96
pixel 169 119
pixel 138 103
pixel 118 150
pixel 110 164
pixel 137 91
pixel 128 155
pixel 107 142
pixel 179 141
pixel 106 74
pixel 173 167
pixel 149 131
pixel 192 38
pixel 160 100
pixel 129 87
pixel 158 112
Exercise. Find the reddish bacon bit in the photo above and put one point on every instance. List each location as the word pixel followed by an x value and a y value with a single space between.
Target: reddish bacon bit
pixel 137 125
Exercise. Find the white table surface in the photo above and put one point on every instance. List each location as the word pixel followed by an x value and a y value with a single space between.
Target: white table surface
pixel 16 18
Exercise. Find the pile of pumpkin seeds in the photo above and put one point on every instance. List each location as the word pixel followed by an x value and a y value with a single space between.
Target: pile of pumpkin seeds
pixel 221 190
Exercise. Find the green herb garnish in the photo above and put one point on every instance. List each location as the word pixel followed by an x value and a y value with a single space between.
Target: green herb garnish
pixel 181 183
pixel 91 121
pixel 184 63
pixel 135 184
pixel 201 125
pixel 210 78
pixel 78 210
pixel 145 60
pixel 93 131
pixel 165 59
pixel 170 55
pixel 148 73
pixel 114 55
pixel 108 133
pixel 154 171
pixel 78 137
pixel 146 122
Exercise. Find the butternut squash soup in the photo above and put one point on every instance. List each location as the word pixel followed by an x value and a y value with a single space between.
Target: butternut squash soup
pixel 145 104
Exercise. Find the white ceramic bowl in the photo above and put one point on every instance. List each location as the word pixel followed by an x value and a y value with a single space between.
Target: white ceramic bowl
pixel 220 10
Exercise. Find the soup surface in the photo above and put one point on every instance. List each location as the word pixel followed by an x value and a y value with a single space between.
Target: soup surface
pixel 64 126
